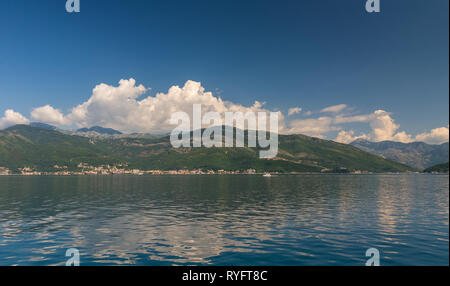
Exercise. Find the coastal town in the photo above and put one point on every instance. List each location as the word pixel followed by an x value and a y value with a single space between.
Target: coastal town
pixel 85 169
pixel 124 169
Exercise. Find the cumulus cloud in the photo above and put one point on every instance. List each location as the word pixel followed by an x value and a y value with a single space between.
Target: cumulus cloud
pixel 110 106
pixel 316 127
pixel 294 110
pixel 120 107
pixel 435 136
pixel 12 118
pixel 383 128
pixel 335 108
pixel 349 136
pixel 319 127
pixel 49 115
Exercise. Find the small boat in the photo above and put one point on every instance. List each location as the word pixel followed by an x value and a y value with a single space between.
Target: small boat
pixel 267 175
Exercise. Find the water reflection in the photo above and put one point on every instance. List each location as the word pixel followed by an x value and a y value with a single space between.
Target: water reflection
pixel 224 220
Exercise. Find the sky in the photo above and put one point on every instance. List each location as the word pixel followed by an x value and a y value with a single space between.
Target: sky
pixel 328 67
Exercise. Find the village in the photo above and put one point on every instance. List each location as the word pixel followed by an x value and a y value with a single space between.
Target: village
pixel 123 169
pixel 85 169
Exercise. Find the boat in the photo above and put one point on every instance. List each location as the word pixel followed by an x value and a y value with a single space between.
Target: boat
pixel 267 175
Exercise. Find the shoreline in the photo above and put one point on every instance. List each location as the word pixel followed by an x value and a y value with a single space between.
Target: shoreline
pixel 257 174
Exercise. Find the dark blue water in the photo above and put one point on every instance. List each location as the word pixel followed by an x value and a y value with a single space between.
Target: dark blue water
pixel 225 220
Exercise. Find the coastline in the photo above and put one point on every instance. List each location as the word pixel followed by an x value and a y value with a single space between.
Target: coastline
pixel 217 174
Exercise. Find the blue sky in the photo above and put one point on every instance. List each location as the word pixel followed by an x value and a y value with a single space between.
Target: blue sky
pixel 309 54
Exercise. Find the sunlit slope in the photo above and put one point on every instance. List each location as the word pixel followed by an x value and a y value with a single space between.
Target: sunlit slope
pixel 23 145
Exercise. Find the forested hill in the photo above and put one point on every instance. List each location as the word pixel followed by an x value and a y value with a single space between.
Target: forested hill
pixel 42 149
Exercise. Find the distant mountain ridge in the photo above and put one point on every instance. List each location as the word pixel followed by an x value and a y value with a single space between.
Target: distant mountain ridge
pixel 418 155
pixel 42 125
pixel 42 149
pixel 100 130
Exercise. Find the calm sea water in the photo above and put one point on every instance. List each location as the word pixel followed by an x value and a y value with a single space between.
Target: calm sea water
pixel 225 220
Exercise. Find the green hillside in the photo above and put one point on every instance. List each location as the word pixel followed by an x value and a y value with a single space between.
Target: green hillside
pixel 41 148
pixel 332 155
pixel 440 168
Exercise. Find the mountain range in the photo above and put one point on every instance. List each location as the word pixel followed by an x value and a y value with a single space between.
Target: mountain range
pixel 418 155
pixel 43 125
pixel 42 149
pixel 100 130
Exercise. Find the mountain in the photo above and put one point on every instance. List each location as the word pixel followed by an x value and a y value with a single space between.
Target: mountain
pixel 42 125
pixel 42 149
pixel 441 168
pixel 24 146
pixel 418 155
pixel 100 130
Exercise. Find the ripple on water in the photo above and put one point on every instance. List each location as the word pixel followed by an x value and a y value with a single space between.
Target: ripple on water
pixel 225 220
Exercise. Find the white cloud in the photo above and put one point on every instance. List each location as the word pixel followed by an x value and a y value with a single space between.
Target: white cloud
pixel 315 127
pixel 110 106
pixel 349 136
pixel 381 123
pixel 119 107
pixel 294 110
pixel 12 118
pixel 334 108
pixel 384 128
pixel 49 115
pixel 339 119
pixel 435 136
